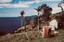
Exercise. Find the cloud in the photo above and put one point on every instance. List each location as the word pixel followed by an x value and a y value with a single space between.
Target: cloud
pixel 56 9
pixel 4 1
pixel 1 7
pixel 20 4
pixel 38 1
pixel 31 12
pixel 30 2
pixel 13 5
pixel 62 5
pixel 23 4
pixel 52 0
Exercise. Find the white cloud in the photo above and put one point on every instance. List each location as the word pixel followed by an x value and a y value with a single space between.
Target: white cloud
pixel 1 7
pixel 56 9
pixel 18 5
pixel 4 1
pixel 30 12
pixel 14 5
pixel 38 1
pixel 62 6
pixel 52 0
pixel 23 4
pixel 31 2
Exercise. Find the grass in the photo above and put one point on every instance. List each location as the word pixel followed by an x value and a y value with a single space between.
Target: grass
pixel 21 37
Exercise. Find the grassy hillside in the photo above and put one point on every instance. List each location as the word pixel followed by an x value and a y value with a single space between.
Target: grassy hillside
pixel 32 36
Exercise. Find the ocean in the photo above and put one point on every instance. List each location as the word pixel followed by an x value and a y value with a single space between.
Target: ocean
pixel 10 24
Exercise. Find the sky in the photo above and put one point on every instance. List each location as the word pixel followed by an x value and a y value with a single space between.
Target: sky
pixel 12 8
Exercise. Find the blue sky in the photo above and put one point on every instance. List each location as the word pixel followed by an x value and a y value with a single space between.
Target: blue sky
pixel 12 8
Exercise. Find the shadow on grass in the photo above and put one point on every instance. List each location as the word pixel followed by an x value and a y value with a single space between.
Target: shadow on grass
pixel 2 33
pixel 52 36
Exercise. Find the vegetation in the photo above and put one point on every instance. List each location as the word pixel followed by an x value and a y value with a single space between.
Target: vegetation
pixel 32 33
pixel 22 13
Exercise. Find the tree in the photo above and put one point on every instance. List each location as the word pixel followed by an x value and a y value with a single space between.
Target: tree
pixel 61 18
pixel 22 13
pixel 47 12
pixel 62 1
pixel 59 5
pixel 38 9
